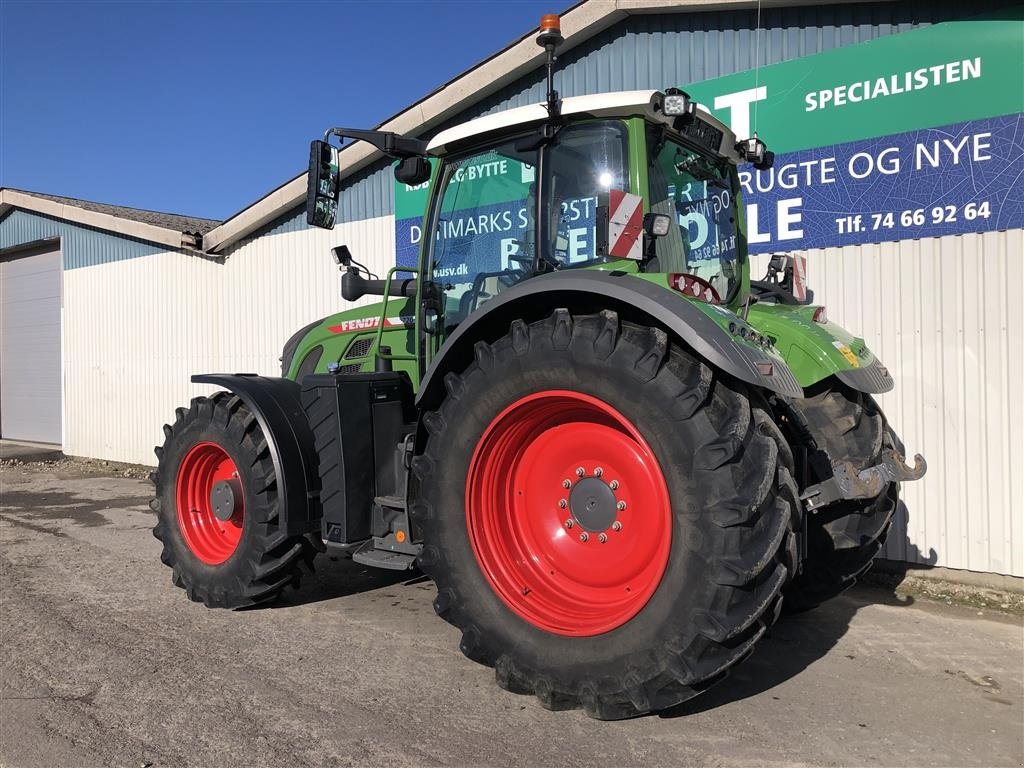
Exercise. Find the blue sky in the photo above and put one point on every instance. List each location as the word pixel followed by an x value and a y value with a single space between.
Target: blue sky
pixel 202 107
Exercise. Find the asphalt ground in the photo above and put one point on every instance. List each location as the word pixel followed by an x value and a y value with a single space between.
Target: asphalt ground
pixel 103 662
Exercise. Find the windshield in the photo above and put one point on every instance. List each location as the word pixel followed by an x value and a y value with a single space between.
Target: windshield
pixel 696 193
pixel 585 162
pixel 484 227
pixel 483 231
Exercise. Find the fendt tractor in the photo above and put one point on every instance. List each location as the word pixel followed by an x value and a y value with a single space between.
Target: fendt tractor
pixel 616 455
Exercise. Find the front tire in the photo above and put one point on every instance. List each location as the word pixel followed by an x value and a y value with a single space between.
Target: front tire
pixel 218 510
pixel 669 601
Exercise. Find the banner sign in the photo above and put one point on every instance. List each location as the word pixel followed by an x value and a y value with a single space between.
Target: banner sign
pixel 919 134
pixel 928 183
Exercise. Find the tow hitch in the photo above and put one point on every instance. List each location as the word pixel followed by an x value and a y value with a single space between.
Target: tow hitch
pixel 847 483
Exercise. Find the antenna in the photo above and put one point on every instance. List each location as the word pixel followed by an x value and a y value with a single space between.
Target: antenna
pixel 757 63
pixel 549 39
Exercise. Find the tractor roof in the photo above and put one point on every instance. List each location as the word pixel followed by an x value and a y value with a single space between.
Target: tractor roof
pixel 616 104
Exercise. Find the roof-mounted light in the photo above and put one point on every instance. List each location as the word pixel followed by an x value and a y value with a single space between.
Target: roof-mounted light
pixel 550 30
pixel 678 103
pixel 755 151
pixel 549 39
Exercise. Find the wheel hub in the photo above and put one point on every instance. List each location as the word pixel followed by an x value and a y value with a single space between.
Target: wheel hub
pixel 210 503
pixel 224 498
pixel 592 504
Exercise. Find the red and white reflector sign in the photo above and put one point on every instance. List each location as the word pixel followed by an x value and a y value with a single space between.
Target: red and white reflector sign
pixel 799 278
pixel 625 225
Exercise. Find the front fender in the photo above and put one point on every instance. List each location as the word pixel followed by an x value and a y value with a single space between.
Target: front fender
pixel 704 327
pixel 815 351
pixel 276 404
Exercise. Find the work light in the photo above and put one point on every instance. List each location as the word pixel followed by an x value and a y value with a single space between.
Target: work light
pixel 755 151
pixel 678 103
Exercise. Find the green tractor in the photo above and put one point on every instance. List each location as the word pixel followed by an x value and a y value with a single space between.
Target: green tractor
pixel 616 455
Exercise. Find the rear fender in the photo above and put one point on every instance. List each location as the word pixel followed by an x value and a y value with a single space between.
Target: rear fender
pixel 815 350
pixel 701 326
pixel 276 404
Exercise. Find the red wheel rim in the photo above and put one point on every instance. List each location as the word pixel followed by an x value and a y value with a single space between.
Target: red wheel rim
pixel 211 540
pixel 545 544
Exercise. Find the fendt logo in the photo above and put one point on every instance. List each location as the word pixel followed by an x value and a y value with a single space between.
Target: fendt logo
pixel 370 324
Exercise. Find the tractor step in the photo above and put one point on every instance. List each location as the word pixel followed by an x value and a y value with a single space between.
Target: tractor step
pixel 382 558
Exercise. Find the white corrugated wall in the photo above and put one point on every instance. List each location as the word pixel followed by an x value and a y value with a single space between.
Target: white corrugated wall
pixel 135 330
pixel 946 315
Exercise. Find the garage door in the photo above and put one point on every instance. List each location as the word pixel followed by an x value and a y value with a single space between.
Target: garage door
pixel 30 370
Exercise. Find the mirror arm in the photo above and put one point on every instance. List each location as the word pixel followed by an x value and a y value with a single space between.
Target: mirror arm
pixel 387 142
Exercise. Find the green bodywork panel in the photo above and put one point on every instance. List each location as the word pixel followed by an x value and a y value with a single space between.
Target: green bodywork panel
pixel 812 350
pixel 349 339
pixel 744 333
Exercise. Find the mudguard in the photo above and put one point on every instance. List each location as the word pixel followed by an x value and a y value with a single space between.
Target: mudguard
pixel 816 350
pixel 276 404
pixel 704 327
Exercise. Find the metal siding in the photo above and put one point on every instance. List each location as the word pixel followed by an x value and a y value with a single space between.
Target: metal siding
pixel 944 314
pixel 662 49
pixel 30 361
pixel 81 246
pixel 137 329
pixel 659 50
pixel 368 194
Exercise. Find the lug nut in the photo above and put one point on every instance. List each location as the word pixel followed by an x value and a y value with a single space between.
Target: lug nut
pixel 620 506
pixel 616 526
pixel 603 537
pixel 584 536
pixel 569 523
pixel 614 485
pixel 567 483
pixel 580 472
pixel 598 472
pixel 562 503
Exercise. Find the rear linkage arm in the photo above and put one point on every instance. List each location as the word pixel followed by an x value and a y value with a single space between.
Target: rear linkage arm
pixel 848 483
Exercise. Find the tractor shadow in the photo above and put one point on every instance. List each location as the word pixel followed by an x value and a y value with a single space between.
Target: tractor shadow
pixel 799 640
pixel 795 642
pixel 336 577
pixel 788 648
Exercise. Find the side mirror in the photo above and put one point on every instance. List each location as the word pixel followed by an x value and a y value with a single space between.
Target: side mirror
pixel 413 170
pixel 323 186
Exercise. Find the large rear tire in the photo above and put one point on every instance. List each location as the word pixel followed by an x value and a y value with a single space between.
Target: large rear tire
pixel 844 538
pixel 218 509
pixel 608 520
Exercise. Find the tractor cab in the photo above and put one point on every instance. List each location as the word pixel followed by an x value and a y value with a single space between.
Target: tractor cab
pixel 618 185
pixel 640 182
